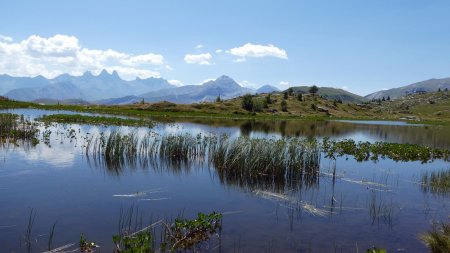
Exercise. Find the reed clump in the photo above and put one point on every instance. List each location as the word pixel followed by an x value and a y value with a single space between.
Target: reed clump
pixel 437 182
pixel 438 239
pixel 245 161
pixel 14 127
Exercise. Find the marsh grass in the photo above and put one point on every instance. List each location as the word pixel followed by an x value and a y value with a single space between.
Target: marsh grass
pixel 266 163
pixel 15 128
pixel 437 182
pixel 241 161
pixel 438 239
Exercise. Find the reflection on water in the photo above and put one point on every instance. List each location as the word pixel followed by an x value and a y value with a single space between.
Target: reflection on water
pixel 329 206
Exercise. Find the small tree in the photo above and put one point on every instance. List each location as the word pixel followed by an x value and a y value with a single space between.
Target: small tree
pixel 247 102
pixel 439 90
pixel 268 99
pixel 389 98
pixel 284 105
pixel 218 99
pixel 446 89
pixel 290 91
pixel 383 99
pixel 286 95
pixel 142 101
pixel 313 89
pixel 299 97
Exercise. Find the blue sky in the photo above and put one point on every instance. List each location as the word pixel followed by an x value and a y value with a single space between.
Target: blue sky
pixel 363 46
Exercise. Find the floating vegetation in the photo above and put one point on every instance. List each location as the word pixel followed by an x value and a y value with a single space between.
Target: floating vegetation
pixel 95 120
pixel 438 239
pixel 363 151
pixel 185 234
pixel 437 182
pixel 181 235
pixel 86 246
pixel 14 128
pixel 375 250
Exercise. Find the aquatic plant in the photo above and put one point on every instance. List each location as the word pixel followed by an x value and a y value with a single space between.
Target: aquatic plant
pixel 438 239
pixel 245 160
pixel 14 128
pixel 86 246
pixel 436 182
pixel 184 234
pixel 363 151
pixel 95 120
pixel 375 250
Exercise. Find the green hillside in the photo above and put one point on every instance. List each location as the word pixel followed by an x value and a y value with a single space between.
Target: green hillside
pixel 332 93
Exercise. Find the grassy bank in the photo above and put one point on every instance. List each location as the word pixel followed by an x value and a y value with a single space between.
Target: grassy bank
pixel 432 108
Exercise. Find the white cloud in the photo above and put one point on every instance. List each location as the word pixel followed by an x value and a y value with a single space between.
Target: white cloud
pixel 202 59
pixel 199 46
pixel 205 81
pixel 284 84
pixel 64 54
pixel 248 84
pixel 177 83
pixel 344 87
pixel 5 38
pixel 240 60
pixel 218 51
pixel 253 50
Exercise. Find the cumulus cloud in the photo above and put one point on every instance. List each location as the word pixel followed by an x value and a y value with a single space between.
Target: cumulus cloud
pixel 257 51
pixel 199 46
pixel 64 54
pixel 5 38
pixel 218 51
pixel 202 59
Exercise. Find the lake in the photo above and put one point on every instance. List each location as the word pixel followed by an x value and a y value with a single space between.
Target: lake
pixel 372 203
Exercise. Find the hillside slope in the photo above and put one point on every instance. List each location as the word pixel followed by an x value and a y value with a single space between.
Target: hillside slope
pixel 430 85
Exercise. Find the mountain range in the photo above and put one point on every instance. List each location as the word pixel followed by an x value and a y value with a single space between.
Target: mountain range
pixel 109 88
pixel 87 87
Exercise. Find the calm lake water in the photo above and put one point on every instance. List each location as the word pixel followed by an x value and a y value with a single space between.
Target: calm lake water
pixel 61 185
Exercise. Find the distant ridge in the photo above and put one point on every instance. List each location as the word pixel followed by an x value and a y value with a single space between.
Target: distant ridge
pixel 419 87
pixel 224 87
pixel 267 89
